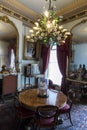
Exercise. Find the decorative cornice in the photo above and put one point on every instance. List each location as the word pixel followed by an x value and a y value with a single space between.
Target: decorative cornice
pixel 73 6
pixel 81 22
pixel 76 10
pixel 16 15
pixel 73 11
pixel 74 16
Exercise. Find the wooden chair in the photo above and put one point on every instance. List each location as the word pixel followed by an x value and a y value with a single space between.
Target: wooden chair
pixel 54 86
pixel 22 114
pixel 67 110
pixel 9 85
pixel 46 116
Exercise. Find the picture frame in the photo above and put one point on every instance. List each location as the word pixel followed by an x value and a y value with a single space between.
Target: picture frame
pixel 31 50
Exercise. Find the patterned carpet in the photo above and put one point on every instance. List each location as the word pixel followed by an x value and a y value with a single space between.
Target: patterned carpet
pixel 79 119
pixel 78 114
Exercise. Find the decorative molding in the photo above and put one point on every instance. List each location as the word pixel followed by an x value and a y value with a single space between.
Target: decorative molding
pixel 6 20
pixel 16 15
pixel 73 11
pixel 78 15
pixel 72 6
pixel 76 10
pixel 81 22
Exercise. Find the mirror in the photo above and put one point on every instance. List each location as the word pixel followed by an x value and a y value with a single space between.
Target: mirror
pixel 8 44
pixel 79 46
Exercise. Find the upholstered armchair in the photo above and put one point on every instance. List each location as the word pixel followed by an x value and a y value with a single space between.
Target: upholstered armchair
pixel 54 86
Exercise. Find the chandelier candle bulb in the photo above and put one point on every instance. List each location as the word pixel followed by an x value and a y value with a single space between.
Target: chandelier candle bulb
pixel 31 31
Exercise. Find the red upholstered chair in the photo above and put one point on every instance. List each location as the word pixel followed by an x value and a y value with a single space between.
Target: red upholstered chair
pixel 54 86
pixel 47 116
pixel 22 114
pixel 51 84
pixel 67 110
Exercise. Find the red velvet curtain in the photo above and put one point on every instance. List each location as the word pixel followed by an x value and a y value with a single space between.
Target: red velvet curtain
pixel 45 55
pixel 63 52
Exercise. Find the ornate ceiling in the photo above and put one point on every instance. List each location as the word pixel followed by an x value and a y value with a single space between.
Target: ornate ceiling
pixel 29 11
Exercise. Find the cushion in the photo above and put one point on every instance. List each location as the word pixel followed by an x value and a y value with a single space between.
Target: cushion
pixel 65 109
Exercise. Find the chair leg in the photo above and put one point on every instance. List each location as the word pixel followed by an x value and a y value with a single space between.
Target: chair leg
pixel 37 128
pixel 70 118
pixel 18 124
pixel 3 100
pixel 53 128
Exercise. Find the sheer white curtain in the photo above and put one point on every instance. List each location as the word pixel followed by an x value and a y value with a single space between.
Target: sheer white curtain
pixel 53 71
pixel 12 61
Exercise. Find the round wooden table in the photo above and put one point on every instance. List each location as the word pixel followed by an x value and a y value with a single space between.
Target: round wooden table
pixel 29 98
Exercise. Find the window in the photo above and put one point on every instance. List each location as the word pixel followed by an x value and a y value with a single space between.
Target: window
pixel 53 70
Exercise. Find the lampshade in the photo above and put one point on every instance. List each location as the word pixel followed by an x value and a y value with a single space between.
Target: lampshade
pixel 48 29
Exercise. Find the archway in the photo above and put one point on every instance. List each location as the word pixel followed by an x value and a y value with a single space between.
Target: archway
pixel 9 34
pixel 79 45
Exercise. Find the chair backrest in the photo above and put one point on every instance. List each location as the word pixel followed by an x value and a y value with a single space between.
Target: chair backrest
pixel 54 86
pixel 9 85
pixel 50 83
pixel 46 113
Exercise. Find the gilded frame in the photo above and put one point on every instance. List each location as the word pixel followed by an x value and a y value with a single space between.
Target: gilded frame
pixel 6 20
pixel 31 50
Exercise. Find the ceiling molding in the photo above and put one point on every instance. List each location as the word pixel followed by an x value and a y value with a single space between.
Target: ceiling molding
pixel 73 11
pixel 74 16
pixel 76 10
pixel 17 6
pixel 72 7
pixel 12 13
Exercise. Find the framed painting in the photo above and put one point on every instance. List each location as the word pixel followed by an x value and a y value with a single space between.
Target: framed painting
pixel 31 50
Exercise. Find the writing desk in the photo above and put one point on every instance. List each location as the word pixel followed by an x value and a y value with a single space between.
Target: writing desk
pixel 29 98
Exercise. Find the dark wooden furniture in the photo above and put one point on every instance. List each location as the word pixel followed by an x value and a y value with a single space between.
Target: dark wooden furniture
pixel 77 81
pixel 29 98
pixel 0 86
pixel 67 110
pixel 9 85
pixel 79 87
pixel 47 116
pixel 27 80
pixel 21 114
pixel 27 77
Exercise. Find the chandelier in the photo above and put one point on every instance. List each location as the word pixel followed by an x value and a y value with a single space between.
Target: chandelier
pixel 48 29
